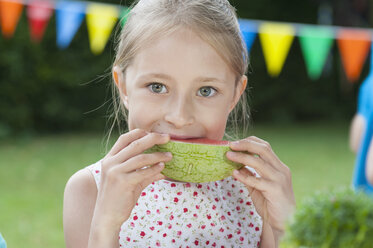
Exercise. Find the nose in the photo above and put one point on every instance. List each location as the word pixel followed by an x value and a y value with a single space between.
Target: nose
pixel 179 112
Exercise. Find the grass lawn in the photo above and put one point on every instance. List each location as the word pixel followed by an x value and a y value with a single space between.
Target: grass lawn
pixel 34 172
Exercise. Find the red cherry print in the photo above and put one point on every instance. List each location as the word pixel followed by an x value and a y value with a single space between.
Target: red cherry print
pixel 209 217
pixel 173 240
pixel 196 242
pixel 257 229
pixel 230 236
pixel 197 206
pixel 171 217
pixel 158 243
pixel 248 203
pixel 241 191
pixel 148 212
pixel 185 210
pixel 203 226
pixel 214 244
pixel 229 213
pixel 187 185
pixel 199 186
pixel 164 235
pixel 156 196
pixel 179 233
pixel 152 228
pixel 251 225
pixel 142 234
pixel 159 223
pixel 128 239
pixel 152 190
pixel 143 193
pixel 241 201
pixel 132 224
pixel 173 185
pixel 195 193
pixel 176 199
pixel 212 224
pixel 242 239
pixel 239 232
pixel 213 207
pixel 97 171
pixel 216 199
pixel 169 226
pixel 137 204
pixel 208 188
pixel 233 186
pixel 189 225
pixel 179 193
pixel 224 198
pixel 251 213
pixel 207 242
pixel 221 229
pixel 222 217
pixel 216 184
pixel 195 215
pixel 258 244
pixel 239 224
pixel 229 194
pixel 238 208
pixel 135 217
pixel 158 212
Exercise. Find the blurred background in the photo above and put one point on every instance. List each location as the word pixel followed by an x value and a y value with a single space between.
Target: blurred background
pixel 55 104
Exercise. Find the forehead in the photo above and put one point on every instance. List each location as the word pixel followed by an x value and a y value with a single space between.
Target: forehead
pixel 182 53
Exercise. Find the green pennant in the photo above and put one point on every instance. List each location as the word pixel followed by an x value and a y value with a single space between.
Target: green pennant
pixel 316 43
pixel 124 16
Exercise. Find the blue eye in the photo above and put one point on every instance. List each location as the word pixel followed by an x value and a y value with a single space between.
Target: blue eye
pixel 157 88
pixel 207 91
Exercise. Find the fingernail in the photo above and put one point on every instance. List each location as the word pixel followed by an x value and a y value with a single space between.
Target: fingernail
pixel 234 143
pixel 231 154
pixel 236 173
pixel 168 154
pixel 161 164
pixel 165 134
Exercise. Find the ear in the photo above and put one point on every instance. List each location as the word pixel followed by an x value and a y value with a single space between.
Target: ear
pixel 240 88
pixel 119 80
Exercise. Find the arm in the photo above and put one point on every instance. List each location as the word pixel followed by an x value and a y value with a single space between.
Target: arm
pixel 369 164
pixel 268 238
pixel 356 131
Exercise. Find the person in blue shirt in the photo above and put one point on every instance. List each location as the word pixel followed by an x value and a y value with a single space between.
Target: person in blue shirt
pixel 361 133
pixel 2 242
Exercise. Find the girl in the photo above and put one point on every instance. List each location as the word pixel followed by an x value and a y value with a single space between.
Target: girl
pixel 179 72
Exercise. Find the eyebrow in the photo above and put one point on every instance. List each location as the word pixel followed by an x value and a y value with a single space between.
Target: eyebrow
pixel 168 77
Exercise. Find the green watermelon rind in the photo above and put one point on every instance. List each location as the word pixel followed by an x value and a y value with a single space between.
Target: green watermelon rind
pixel 196 163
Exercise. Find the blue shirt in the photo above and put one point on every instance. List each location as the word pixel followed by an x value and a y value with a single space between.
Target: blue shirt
pixel 365 108
pixel 2 242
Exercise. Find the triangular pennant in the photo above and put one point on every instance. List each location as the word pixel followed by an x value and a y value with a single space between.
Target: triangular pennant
pixel 69 16
pixel 354 47
pixel 39 13
pixel 315 43
pixel 10 12
pixel 101 20
pixel 276 40
pixel 124 15
pixel 248 31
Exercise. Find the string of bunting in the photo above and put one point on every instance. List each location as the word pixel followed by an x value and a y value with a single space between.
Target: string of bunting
pixel 275 38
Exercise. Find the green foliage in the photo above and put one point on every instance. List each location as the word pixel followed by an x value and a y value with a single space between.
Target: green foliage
pixel 338 219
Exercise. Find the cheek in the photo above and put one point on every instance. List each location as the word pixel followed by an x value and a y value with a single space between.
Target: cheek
pixel 140 115
pixel 215 123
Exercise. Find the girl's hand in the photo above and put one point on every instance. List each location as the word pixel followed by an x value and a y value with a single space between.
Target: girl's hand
pixel 125 172
pixel 272 192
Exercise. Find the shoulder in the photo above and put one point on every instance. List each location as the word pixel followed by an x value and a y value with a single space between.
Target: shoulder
pixel 78 207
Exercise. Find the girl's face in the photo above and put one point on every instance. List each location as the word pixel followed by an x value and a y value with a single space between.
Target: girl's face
pixel 179 85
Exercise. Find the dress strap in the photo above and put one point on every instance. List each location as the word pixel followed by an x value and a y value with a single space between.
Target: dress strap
pixel 95 169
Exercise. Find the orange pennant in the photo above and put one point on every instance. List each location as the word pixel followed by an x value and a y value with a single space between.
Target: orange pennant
pixel 10 12
pixel 354 47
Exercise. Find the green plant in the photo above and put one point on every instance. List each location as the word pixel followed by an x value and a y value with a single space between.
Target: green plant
pixel 340 219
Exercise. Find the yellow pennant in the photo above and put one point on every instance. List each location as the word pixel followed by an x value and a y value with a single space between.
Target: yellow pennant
pixel 276 40
pixel 101 20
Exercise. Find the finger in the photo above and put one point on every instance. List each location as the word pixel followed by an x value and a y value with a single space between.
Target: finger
pixel 254 147
pixel 146 176
pixel 125 139
pixel 253 182
pixel 139 146
pixel 258 164
pixel 144 160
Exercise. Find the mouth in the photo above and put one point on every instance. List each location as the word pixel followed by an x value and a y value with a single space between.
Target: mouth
pixel 182 137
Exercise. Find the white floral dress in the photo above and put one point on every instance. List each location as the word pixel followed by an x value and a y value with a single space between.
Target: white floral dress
pixel 175 214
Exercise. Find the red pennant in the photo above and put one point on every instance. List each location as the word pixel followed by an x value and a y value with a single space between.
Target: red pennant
pixel 39 13
pixel 354 47
pixel 10 12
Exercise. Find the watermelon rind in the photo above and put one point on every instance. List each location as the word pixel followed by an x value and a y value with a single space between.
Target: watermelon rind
pixel 196 163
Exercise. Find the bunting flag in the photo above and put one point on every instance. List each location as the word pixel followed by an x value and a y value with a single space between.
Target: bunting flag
pixel 101 20
pixel 10 12
pixel 69 17
pixel 124 16
pixel 39 13
pixel 315 44
pixel 248 31
pixel 354 47
pixel 276 40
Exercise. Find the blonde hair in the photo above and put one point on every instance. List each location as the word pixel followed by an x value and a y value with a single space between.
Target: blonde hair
pixel 215 21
